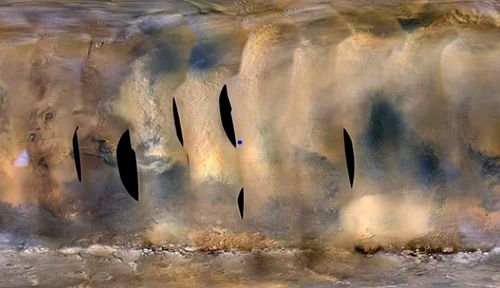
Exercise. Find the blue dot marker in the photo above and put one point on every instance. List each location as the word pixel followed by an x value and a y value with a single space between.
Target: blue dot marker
pixel 240 142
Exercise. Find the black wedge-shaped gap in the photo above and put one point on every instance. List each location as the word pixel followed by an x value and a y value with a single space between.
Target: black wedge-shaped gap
pixel 241 201
pixel 225 115
pixel 349 156
pixel 177 120
pixel 127 165
pixel 76 155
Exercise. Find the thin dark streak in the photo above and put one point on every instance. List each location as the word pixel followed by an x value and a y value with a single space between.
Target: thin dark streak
pixel 108 160
pixel 241 201
pixel 127 165
pixel 177 121
pixel 225 114
pixel 349 156
pixel 76 153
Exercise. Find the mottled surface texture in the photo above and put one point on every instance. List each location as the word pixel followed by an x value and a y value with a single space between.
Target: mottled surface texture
pixel 416 84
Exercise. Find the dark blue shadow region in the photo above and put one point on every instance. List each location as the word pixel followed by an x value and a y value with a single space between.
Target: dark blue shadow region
pixel 203 56
pixel 429 170
pixel 166 58
pixel 385 127
pixel 411 24
pixel 490 165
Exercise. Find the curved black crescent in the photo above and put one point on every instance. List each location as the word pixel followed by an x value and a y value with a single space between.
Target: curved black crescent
pixel 127 165
pixel 225 115
pixel 349 156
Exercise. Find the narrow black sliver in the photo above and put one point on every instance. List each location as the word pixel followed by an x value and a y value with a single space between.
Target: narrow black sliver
pixel 76 154
pixel 177 120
